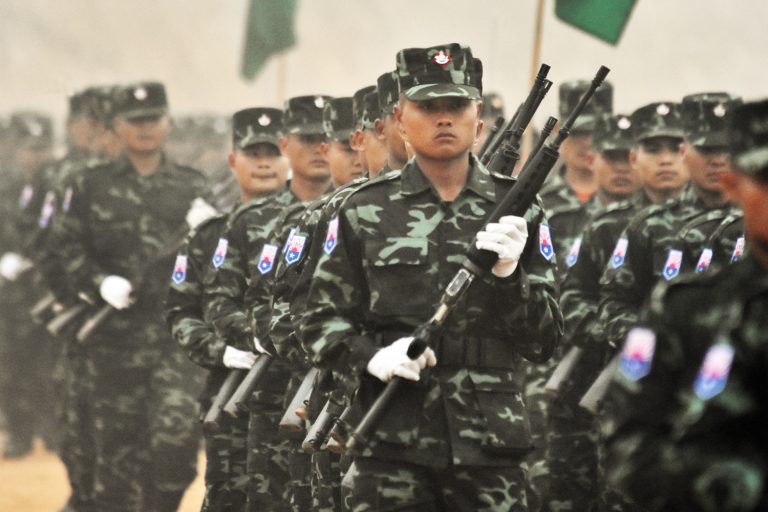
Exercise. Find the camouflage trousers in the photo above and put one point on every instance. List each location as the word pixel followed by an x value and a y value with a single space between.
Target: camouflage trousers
pixel 375 484
pixel 144 412
pixel 537 400
pixel 325 481
pixel 76 448
pixel 226 474
pixel 268 461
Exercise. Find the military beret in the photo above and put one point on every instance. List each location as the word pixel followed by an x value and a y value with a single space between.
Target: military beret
pixel 601 103
pixel 441 71
pixel 748 136
pixel 304 114
pixel 657 120
pixel 143 99
pixel 256 126
pixel 705 117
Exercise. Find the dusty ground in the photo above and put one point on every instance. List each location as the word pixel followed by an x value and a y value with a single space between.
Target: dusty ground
pixel 38 483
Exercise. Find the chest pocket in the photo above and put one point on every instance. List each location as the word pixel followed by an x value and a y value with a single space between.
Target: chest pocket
pixel 398 274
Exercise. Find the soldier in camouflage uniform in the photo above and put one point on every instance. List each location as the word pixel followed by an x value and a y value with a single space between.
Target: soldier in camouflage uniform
pixel 27 357
pixel 493 108
pixel 572 446
pixel 117 241
pixel 456 438
pixel 648 251
pixel 365 139
pixel 260 171
pixel 244 257
pixel 688 399
pixel 388 92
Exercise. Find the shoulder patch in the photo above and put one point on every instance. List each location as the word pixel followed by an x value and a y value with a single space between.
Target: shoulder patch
pixel 672 266
pixel 573 254
pixel 714 371
pixel 738 251
pixel 49 206
pixel 26 196
pixel 619 252
pixel 294 248
pixel 66 202
pixel 332 237
pixel 220 254
pixel 545 242
pixel 267 258
pixel 637 355
pixel 704 260
pixel 179 269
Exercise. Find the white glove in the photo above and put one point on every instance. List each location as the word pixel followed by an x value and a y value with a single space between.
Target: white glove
pixel 507 239
pixel 116 291
pixel 238 359
pixel 199 212
pixel 259 347
pixel 393 360
pixel 12 265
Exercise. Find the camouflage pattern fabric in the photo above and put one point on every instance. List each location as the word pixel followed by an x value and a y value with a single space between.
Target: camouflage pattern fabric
pixel 470 409
pixel 566 223
pixel 727 243
pixel 687 404
pixel 145 438
pixel 556 194
pixel 692 238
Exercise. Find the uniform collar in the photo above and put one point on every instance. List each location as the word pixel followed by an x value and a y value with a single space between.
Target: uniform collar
pixel 123 165
pixel 479 180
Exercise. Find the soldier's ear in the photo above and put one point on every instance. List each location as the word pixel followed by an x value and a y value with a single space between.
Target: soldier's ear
pixel 378 127
pixel 324 147
pixel 633 157
pixel 231 161
pixel 681 149
pixel 283 143
pixel 398 113
pixel 729 183
pixel 480 122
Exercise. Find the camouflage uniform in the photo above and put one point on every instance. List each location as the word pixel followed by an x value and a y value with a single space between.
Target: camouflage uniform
pixel 355 306
pixel 122 223
pixel 724 245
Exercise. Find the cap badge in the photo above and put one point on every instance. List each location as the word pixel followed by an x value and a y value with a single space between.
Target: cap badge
pixel 264 120
pixel 442 59
pixel 624 123
pixel 662 109
pixel 719 110
pixel 35 128
pixel 140 94
pixel 319 102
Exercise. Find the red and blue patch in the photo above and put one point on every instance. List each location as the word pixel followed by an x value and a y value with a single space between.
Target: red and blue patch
pixel 545 243
pixel 26 196
pixel 67 201
pixel 267 258
pixel 179 269
pixel 637 354
pixel 295 246
pixel 672 265
pixel 332 238
pixel 573 255
pixel 619 253
pixel 738 251
pixel 49 206
pixel 714 371
pixel 220 254
pixel 705 260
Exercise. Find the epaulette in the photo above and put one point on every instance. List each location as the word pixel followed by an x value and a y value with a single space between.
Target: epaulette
pixel 188 169
pixel 733 217
pixel 246 207
pixel 380 180
pixel 219 218
pixel 650 211
pixel 703 218
pixel 565 209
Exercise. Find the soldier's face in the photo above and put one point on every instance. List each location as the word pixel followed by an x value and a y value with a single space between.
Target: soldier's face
pixel 441 129
pixel 659 164
pixel 343 161
pixel 259 169
pixel 84 132
pixel 705 166
pixel 143 134
pixel 615 177
pixel 305 154
pixel 375 153
pixel 752 195
pixel 576 151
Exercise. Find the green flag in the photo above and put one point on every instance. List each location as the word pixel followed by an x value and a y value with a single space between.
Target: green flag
pixel 604 19
pixel 268 30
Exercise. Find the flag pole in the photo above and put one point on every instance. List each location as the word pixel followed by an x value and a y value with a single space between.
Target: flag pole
pixel 535 63
pixel 281 80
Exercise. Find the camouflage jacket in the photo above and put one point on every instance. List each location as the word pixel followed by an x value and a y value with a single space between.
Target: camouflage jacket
pixel 693 236
pixel 120 222
pixel 567 222
pixel 184 303
pixel 557 195
pixel 387 259
pixel 642 255
pixel 686 409
pixel 725 244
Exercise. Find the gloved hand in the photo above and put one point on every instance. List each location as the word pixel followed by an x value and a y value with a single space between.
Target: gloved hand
pixel 238 359
pixel 393 360
pixel 259 347
pixel 199 212
pixel 12 265
pixel 507 239
pixel 116 291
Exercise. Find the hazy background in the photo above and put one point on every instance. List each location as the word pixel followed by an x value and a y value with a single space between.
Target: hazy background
pixel 48 48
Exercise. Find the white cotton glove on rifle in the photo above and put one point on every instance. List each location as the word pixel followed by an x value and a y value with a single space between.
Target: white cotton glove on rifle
pixel 238 359
pixel 507 239
pixel 393 360
pixel 12 265
pixel 199 212
pixel 116 291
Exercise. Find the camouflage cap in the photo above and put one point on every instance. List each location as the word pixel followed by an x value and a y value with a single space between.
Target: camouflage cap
pixel 31 129
pixel 493 106
pixel 83 103
pixel 748 136
pixel 389 92
pixel 441 71
pixel 601 103
pixel 143 99
pixel 304 114
pixel 358 105
pixel 104 103
pixel 705 118
pixel 657 120
pixel 371 110
pixel 252 126
pixel 338 119
pixel 612 133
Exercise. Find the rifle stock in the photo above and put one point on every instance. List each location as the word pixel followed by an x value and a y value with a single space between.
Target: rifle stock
pixel 321 428
pixel 594 396
pixel 66 317
pixel 43 308
pixel 212 419
pixel 238 401
pixel 295 417
pixel 563 370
